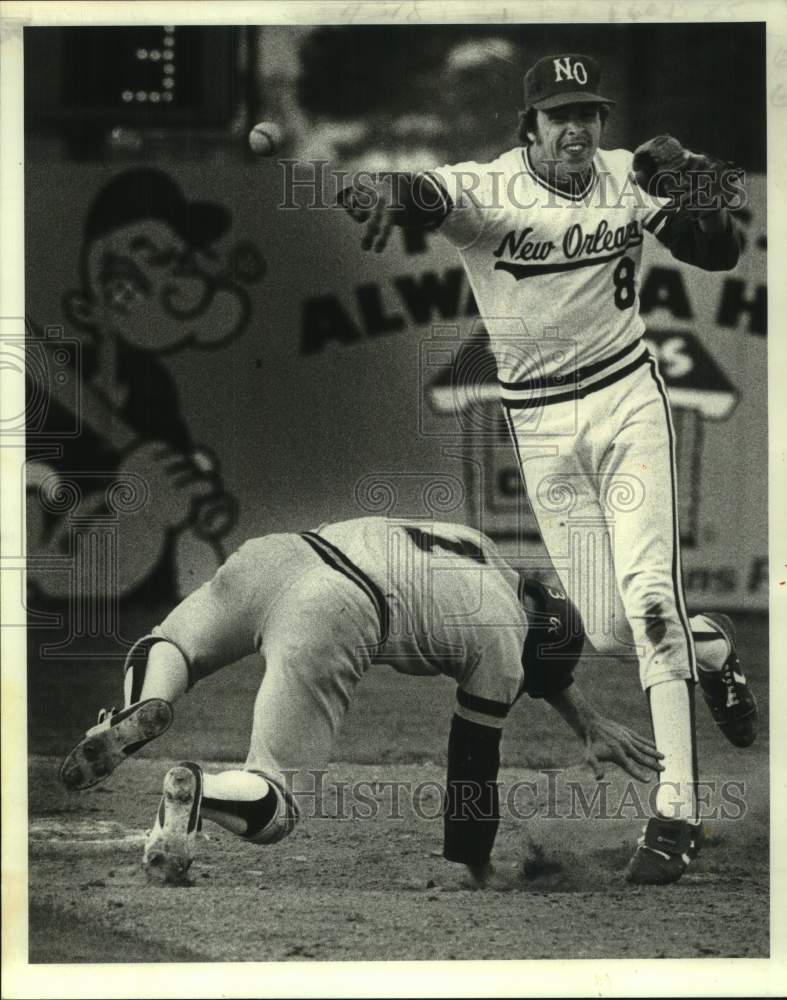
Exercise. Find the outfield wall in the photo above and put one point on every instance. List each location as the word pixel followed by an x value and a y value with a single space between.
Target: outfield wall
pixel 321 400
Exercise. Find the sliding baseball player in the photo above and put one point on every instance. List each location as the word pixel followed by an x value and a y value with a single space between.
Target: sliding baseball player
pixel 321 608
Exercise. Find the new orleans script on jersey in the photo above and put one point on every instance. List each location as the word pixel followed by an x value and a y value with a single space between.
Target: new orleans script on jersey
pixel 556 276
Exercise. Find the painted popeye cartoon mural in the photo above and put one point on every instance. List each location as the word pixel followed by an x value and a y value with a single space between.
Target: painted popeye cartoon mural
pixel 125 505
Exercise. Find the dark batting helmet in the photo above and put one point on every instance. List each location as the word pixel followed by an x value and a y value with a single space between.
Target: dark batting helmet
pixel 555 638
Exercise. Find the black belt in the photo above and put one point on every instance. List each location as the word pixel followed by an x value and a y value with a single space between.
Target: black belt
pixel 573 381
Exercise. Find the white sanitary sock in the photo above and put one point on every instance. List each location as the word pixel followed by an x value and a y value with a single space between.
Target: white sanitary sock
pixel 235 786
pixel 672 715
pixel 166 674
pixel 711 653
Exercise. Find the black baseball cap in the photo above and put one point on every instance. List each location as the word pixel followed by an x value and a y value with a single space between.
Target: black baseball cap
pixel 145 193
pixel 569 78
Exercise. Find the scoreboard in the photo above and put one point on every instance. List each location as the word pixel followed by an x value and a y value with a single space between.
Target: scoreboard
pixel 153 75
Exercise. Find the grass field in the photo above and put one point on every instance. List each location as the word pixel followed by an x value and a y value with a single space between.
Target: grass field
pixel 373 888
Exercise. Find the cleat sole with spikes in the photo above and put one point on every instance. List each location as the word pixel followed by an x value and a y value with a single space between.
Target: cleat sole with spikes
pixel 170 846
pixel 114 740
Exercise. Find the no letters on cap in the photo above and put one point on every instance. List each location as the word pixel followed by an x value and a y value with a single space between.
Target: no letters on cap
pixel 570 78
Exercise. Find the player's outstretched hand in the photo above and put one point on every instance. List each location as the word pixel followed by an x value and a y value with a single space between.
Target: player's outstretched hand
pixel 606 740
pixel 371 203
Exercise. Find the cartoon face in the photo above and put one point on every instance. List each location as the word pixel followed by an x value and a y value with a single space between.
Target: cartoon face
pixel 148 288
pixel 568 135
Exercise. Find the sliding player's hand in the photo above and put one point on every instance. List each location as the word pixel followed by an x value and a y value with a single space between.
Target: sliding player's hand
pixel 609 741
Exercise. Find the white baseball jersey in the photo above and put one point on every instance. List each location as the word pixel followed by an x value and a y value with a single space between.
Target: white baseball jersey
pixel 555 276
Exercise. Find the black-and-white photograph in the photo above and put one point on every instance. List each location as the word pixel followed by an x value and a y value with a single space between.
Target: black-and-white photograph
pixel 386 503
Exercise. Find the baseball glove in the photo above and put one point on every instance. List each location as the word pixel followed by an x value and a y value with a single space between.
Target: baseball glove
pixel 693 182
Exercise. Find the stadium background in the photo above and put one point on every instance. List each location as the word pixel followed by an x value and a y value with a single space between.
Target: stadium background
pixel 335 398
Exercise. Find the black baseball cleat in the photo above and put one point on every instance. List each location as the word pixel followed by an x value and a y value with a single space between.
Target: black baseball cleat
pixel 727 694
pixel 170 845
pixel 114 738
pixel 664 851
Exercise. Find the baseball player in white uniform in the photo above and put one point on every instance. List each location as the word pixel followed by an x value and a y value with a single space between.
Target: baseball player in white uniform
pixel 551 236
pixel 320 608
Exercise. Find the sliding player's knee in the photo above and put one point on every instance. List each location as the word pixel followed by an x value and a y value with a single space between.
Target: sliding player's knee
pixel 215 625
pixel 276 820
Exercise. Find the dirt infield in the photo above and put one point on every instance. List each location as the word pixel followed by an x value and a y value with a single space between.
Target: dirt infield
pixel 360 879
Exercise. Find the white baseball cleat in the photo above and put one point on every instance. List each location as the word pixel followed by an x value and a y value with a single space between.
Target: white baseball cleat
pixel 114 738
pixel 170 846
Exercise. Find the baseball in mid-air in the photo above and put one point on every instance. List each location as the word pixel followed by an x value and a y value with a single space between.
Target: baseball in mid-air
pixel 266 138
